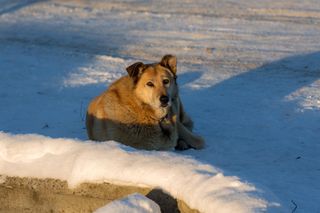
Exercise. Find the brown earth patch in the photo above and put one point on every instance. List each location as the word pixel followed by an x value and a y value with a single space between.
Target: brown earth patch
pixel 52 195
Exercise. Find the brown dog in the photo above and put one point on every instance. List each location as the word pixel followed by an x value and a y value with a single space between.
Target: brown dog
pixel 143 110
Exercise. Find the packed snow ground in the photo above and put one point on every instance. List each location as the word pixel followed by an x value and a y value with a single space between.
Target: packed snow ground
pixel 248 71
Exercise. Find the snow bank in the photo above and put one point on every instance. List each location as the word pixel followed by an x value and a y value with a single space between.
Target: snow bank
pixel 134 203
pixel 200 185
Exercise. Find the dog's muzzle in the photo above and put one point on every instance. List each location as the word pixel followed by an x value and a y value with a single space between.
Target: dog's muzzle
pixel 164 100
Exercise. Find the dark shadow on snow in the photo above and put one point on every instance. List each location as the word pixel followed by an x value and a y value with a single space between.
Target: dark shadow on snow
pixel 252 97
pixel 251 114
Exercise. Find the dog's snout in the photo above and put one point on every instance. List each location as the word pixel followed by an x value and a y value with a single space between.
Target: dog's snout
pixel 164 99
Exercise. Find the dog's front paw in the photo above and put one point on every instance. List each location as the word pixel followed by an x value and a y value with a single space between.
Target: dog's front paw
pixel 199 143
pixel 182 145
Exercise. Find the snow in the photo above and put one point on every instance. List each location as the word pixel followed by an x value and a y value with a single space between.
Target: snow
pixel 200 185
pixel 96 73
pixel 248 72
pixel 134 203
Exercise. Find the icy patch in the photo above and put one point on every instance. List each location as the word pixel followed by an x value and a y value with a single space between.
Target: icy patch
pixel 103 69
pixel 134 203
pixel 201 186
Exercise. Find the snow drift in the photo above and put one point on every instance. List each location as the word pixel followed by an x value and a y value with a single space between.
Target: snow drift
pixel 200 185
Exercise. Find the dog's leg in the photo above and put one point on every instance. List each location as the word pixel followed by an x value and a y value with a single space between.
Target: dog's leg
pixel 186 137
pixel 169 130
pixel 184 118
pixel 182 145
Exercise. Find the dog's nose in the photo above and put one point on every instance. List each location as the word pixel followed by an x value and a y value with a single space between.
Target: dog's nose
pixel 164 99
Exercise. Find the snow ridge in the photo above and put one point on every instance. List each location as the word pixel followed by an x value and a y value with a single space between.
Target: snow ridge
pixel 200 185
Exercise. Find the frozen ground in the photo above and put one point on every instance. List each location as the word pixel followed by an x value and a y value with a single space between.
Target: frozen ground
pixel 249 76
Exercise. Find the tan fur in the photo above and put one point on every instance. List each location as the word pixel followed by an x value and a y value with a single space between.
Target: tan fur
pixel 130 111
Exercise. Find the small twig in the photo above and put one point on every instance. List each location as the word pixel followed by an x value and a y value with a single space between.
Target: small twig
pixel 295 206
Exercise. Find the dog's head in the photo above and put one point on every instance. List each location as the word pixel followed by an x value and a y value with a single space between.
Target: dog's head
pixel 155 84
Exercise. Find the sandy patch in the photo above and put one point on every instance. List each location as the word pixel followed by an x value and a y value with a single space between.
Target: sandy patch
pixel 52 195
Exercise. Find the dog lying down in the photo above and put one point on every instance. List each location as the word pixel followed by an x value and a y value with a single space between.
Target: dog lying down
pixel 143 110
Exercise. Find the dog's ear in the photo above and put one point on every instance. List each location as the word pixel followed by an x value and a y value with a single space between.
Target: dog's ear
pixel 135 70
pixel 170 62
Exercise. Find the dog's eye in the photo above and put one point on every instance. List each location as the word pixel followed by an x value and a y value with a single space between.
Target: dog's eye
pixel 166 81
pixel 150 84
